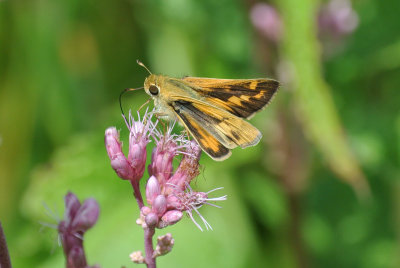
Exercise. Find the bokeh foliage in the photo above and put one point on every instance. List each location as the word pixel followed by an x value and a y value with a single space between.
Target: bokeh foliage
pixel 63 65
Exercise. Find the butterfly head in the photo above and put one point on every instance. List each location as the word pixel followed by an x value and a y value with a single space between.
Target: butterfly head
pixel 152 85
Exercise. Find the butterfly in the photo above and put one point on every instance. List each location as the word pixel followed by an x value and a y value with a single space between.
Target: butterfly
pixel 212 110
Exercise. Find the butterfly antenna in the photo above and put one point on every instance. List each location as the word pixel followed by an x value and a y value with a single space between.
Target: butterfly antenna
pixel 144 66
pixel 120 99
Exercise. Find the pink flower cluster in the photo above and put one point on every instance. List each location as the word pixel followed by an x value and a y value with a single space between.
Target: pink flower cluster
pixel 168 193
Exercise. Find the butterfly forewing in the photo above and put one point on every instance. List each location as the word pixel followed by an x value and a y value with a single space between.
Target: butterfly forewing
pixel 241 97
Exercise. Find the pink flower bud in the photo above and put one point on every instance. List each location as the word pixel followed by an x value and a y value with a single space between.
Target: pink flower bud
pixel 173 202
pixel 160 205
pixel 164 245
pixel 172 217
pixel 161 160
pixel 113 145
pixel 137 150
pixel 86 216
pixel 145 210
pixel 151 220
pixel 119 162
pixel 152 189
pixel 72 205
pixel 122 167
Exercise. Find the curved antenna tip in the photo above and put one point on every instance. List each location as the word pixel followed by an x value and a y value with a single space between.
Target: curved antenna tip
pixel 144 66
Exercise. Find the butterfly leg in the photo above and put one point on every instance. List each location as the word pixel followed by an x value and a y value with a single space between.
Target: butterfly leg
pixel 140 108
pixel 187 133
pixel 160 116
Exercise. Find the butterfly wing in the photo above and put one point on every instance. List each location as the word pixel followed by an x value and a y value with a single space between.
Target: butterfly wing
pixel 241 97
pixel 215 129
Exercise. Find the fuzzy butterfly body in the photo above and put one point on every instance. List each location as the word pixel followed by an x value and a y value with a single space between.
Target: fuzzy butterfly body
pixel 212 110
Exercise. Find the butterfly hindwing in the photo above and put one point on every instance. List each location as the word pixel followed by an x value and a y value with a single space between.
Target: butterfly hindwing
pixel 215 129
pixel 214 148
pixel 241 97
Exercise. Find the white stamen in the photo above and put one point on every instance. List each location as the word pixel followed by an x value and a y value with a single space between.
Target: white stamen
pixel 50 225
pixel 78 236
pixel 50 213
pixel 190 190
pixel 208 226
pixel 219 188
pixel 213 205
pixel 221 198
pixel 194 221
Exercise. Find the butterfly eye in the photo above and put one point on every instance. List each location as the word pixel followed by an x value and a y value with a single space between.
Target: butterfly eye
pixel 153 90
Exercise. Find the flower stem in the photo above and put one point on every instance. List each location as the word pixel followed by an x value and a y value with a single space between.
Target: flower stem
pixel 4 256
pixel 148 232
pixel 137 194
pixel 148 247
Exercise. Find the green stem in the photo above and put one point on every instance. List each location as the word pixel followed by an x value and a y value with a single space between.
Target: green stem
pixel 312 95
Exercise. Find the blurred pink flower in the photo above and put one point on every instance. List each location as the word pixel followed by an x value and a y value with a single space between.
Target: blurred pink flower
pixel 337 18
pixel 77 220
pixel 266 19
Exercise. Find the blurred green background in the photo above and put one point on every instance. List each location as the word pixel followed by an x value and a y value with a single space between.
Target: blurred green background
pixel 322 189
